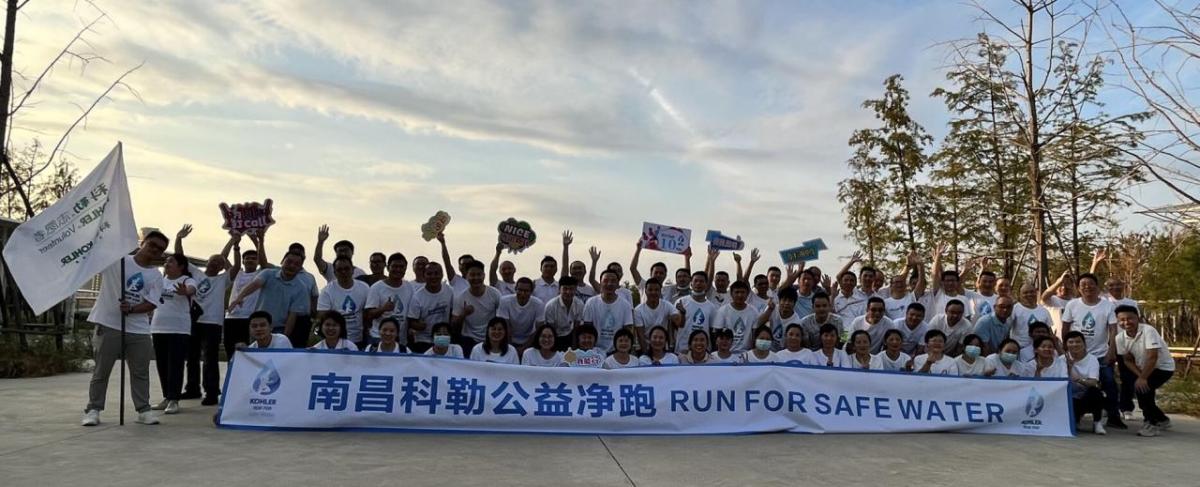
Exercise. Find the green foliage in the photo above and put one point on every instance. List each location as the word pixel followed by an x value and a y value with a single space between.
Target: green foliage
pixel 1181 395
pixel 42 358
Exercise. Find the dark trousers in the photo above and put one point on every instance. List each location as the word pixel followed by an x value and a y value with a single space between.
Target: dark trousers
pixel 1091 402
pixel 1146 400
pixel 170 353
pixel 418 348
pixel 467 343
pixel 1126 387
pixel 301 332
pixel 236 330
pixel 206 343
pixel 1108 383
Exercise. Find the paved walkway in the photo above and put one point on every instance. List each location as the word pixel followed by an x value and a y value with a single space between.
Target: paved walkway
pixel 42 444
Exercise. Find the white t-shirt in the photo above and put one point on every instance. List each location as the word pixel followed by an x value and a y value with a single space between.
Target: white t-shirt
pixel 881 361
pixel 875 332
pixel 342 344
pixel 430 308
pixel 1146 339
pixel 897 309
pixel 374 347
pixel 801 356
pixel 562 317
pixel 755 301
pixel 1024 317
pixel 486 307
pixel 142 285
pixel 914 338
pixel 248 305
pixel 981 305
pixel 812 329
pixel 697 316
pixel 546 291
pixel 667 359
pixel 349 302
pixel 509 357
pixel 611 363
pixel 522 320
pixel 278 340
pixel 1016 369
pixel 840 359
pixel 946 366
pixel 583 292
pixel 749 358
pixel 1093 321
pixel 1057 369
pixel 1088 368
pixel 647 318
pixel 458 284
pixel 719 297
pixel 733 358
pixel 505 288
pixel 779 326
pixel 742 322
pixel 954 334
pixel 534 358
pixel 1056 305
pixel 173 314
pixel 607 318
pixel 976 369
pixel 452 350
pixel 210 295
pixel 379 294
pixel 330 278
pixel 850 307
pixel 941 299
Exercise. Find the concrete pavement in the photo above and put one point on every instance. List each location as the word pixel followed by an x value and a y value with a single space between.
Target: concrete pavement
pixel 42 444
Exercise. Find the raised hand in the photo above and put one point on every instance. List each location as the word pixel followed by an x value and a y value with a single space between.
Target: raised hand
pixel 939 249
pixel 827 283
pixel 568 238
pixel 1099 256
pixel 755 255
pixel 713 253
pixel 441 238
pixel 737 257
pixel 686 252
pixel 184 232
pixel 595 253
pixel 323 233
pixel 857 256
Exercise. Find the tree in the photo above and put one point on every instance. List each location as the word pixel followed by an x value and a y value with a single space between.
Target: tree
pixel 863 203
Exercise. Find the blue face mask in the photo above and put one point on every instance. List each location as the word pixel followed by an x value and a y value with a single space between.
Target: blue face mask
pixel 764 345
pixel 1008 358
pixel 972 351
pixel 441 340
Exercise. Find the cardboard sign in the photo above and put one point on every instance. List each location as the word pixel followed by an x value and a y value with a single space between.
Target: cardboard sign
pixel 806 252
pixel 667 239
pixel 584 358
pixel 436 224
pixel 721 242
pixel 247 218
pixel 515 235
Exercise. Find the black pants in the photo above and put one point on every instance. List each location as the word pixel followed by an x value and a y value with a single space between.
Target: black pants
pixel 1126 388
pixel 170 353
pixel 1092 402
pixel 206 342
pixel 467 343
pixel 418 348
pixel 301 332
pixel 236 330
pixel 1146 400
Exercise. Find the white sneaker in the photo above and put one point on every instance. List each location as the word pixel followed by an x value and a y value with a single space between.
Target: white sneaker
pixel 147 417
pixel 1098 428
pixel 161 405
pixel 1127 415
pixel 1165 425
pixel 172 408
pixel 90 418
pixel 1148 430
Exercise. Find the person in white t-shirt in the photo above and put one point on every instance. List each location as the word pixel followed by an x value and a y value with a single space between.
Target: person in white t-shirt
pixel 658 354
pixel 934 360
pixel 333 334
pixel 456 280
pixel 621 357
pixel 696 312
pixel 874 322
pixel 719 293
pixel 343 248
pixel 543 353
pixel 1148 364
pixel 1084 371
pixel 697 349
pixel 658 270
pixel 724 353
pixel 984 300
pixel 389 298
pixel 739 316
pixel 1007 361
pixel 564 313
pixel 442 346
pixel 793 342
pixel 171 328
pixel 761 353
pixel 859 349
pixel 135 297
pixel 475 306
pixel 348 297
pixel 505 284
pixel 761 294
pixel 608 312
pixel 495 347
pixel 653 311
pixel 850 302
pixel 681 287
pixel 1026 312
pixel 243 271
pixel 913 329
pixel 954 326
pixel 971 363
pixel 892 357
pixel 431 304
pixel 781 316
pixel 1055 299
pixel 829 354
pixel 389 329
pixel 1046 362
pixel 524 312
pixel 205 342
pixel 260 333
pixel 1094 316
pixel 822 315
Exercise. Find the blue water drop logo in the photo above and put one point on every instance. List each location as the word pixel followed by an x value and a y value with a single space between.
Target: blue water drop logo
pixel 1089 324
pixel 348 305
pixel 204 287
pixel 1035 403
pixel 699 319
pixel 268 380
pixel 135 283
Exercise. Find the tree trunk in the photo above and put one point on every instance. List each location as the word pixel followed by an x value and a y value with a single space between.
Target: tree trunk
pixel 6 58
pixel 1038 211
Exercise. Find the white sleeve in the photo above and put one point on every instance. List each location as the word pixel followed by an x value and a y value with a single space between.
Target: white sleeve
pixel 324 301
pixel 503 312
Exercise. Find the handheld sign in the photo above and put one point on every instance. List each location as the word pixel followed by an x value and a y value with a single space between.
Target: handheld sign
pixel 806 252
pixel 583 358
pixel 247 218
pixel 720 242
pixel 667 239
pixel 515 235
pixel 436 224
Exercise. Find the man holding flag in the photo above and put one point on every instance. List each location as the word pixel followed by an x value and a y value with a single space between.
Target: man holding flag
pixel 89 231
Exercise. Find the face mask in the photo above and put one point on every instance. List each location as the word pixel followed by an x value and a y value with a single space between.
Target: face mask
pixel 441 340
pixel 763 345
pixel 1008 358
pixel 972 351
pixel 698 293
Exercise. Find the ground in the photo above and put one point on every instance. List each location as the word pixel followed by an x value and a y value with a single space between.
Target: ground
pixel 42 444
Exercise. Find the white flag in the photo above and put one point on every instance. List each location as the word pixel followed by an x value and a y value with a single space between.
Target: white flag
pixel 55 252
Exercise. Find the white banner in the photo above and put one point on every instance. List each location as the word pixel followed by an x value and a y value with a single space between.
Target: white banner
pixel 55 252
pixel 303 389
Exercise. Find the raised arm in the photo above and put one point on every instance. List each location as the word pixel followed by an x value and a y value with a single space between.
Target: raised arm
pixel 687 260
pixel 915 262
pixel 937 266
pixel 754 257
pixel 260 248
pixel 595 254
pixel 565 268
pixel 1050 291
pixel 855 258
pixel 237 257
pixel 319 252
pixel 1097 258
pixel 182 234
pixel 633 264
pixel 441 238
pixel 710 264
pixel 492 279
pixel 737 263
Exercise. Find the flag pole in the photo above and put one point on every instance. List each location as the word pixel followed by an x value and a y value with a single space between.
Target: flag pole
pixel 122 395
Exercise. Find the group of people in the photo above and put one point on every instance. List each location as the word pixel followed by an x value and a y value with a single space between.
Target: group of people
pixel 472 310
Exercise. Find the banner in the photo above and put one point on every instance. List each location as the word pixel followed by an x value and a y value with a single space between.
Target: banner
pixel 666 239
pixel 306 389
pixel 54 253
pixel 516 236
pixel 247 218
pixel 806 252
pixel 717 240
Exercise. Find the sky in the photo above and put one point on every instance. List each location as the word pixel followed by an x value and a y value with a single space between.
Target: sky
pixel 585 116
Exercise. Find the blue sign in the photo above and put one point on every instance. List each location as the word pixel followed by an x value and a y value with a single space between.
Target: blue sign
pixel 721 242
pixel 806 252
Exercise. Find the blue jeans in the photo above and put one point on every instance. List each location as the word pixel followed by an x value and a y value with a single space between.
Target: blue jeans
pixel 1108 383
